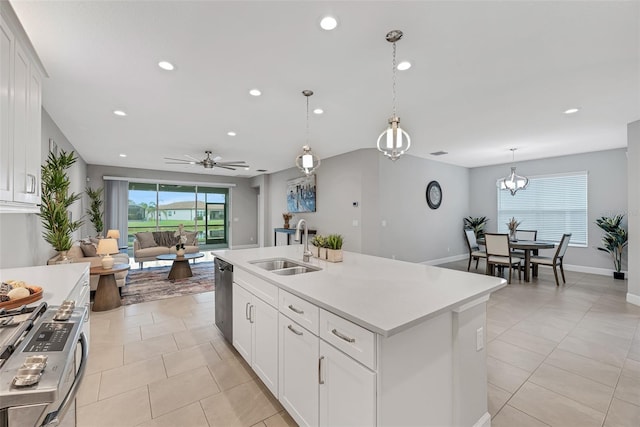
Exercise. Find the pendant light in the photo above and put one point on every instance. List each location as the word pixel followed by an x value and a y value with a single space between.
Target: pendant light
pixel 394 142
pixel 307 162
pixel 514 182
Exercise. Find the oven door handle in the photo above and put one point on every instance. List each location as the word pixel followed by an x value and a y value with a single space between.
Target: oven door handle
pixel 54 418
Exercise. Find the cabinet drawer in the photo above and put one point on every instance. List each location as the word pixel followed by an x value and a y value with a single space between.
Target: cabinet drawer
pixel 257 286
pixel 352 339
pixel 301 311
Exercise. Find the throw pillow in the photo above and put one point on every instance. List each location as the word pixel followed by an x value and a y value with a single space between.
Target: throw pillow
pixel 165 238
pixel 145 238
pixel 88 249
pixel 192 238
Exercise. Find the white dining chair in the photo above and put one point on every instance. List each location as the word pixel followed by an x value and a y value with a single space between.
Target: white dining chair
pixel 556 260
pixel 474 248
pixel 499 253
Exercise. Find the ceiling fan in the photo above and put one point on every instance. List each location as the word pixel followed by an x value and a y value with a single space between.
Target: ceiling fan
pixel 208 162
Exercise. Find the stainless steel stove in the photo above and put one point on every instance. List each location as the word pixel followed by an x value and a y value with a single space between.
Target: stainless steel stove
pixel 43 356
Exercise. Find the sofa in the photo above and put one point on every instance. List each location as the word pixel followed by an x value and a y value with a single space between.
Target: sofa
pixel 79 252
pixel 147 245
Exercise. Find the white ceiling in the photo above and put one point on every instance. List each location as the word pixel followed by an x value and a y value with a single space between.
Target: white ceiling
pixel 486 76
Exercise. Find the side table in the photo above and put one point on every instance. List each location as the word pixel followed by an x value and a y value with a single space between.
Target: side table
pixel 107 294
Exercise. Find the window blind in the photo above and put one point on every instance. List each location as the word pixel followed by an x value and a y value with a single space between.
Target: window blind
pixel 552 205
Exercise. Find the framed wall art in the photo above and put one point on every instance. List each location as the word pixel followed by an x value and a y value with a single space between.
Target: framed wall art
pixel 301 194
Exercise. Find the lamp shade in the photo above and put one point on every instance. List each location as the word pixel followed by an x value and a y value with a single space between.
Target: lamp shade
pixel 113 234
pixel 107 247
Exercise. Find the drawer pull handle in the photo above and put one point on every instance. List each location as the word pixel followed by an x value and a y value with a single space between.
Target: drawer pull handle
pixel 31 188
pixel 246 311
pixel 295 310
pixel 251 315
pixel 291 328
pixel 341 336
pixel 320 376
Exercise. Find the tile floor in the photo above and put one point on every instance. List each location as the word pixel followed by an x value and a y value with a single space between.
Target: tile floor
pixel 567 356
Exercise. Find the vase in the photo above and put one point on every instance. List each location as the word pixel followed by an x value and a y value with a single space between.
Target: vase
pixel 334 255
pixel 286 223
pixel 63 259
pixel 322 253
pixel 618 275
pixel 180 252
pixel 512 235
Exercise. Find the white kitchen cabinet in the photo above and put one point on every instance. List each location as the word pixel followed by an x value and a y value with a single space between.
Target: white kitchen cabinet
pixel 255 335
pixel 299 372
pixel 20 117
pixel 347 390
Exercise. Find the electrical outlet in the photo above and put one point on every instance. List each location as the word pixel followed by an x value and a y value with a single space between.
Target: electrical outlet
pixel 479 339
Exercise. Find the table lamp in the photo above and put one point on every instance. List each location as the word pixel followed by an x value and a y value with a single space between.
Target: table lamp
pixel 113 234
pixel 107 247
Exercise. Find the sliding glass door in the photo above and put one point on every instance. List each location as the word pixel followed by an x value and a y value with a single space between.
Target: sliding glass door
pixel 216 224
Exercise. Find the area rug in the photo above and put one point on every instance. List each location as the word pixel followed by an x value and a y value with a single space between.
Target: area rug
pixel 152 283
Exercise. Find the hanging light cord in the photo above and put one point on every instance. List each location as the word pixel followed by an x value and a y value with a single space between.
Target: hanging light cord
pixel 307 120
pixel 393 62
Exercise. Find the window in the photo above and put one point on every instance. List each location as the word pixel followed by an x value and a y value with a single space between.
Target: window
pixel 551 204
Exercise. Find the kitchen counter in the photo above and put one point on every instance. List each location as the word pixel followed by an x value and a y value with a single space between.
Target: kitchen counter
pixel 382 295
pixel 57 281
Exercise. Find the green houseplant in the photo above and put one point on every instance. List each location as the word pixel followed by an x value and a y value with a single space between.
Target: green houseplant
pixel 614 241
pixel 476 224
pixel 56 201
pixel 316 243
pixel 334 248
pixel 95 210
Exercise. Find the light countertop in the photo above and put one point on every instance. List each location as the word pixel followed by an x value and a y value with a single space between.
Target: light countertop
pixel 56 281
pixel 382 295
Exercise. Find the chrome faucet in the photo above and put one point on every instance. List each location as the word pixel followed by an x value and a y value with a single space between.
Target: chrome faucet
pixel 306 255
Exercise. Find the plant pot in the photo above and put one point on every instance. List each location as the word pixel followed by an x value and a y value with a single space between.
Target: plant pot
pixel 180 252
pixel 334 255
pixel 618 275
pixel 322 253
pixel 63 259
pixel 314 251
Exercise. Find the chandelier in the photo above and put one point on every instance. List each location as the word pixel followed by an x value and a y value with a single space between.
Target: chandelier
pixel 393 142
pixel 514 182
pixel 307 162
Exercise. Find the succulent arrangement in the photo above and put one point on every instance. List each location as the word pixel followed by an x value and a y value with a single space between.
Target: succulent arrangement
pixel 334 241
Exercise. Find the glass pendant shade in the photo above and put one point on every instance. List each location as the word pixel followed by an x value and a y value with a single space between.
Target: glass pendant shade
pixel 514 182
pixel 397 140
pixel 307 162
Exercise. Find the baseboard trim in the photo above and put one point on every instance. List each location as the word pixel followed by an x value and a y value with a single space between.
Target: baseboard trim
pixel 591 270
pixel 484 421
pixel 445 260
pixel 633 299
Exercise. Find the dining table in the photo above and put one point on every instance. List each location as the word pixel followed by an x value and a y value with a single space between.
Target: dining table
pixel 528 247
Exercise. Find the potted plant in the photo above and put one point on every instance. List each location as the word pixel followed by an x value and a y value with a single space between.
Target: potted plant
pixel 513 226
pixel 334 248
pixel 95 210
pixel 56 201
pixel 614 241
pixel 316 242
pixel 476 224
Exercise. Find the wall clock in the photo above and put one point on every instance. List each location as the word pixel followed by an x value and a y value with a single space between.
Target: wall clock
pixel 434 195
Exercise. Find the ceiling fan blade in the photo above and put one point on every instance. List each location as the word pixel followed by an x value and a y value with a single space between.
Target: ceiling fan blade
pixel 179 160
pixel 179 163
pixel 192 158
pixel 231 162
pixel 225 167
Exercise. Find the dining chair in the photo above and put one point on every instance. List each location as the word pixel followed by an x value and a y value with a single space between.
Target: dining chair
pixel 524 235
pixel 499 253
pixel 474 248
pixel 556 260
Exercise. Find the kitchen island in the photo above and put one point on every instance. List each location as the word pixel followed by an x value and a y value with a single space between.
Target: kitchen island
pixel 368 341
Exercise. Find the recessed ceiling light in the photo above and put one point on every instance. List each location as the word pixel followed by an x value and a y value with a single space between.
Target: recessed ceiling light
pixel 119 113
pixel 328 23
pixel 255 92
pixel 404 65
pixel 318 111
pixel 165 65
pixel 572 110
pixel 123 155
pixel 231 133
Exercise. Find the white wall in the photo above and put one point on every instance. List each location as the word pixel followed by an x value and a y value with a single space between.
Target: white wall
pixel 633 174
pixel 21 241
pixel 393 191
pixel 244 228
pixel 607 195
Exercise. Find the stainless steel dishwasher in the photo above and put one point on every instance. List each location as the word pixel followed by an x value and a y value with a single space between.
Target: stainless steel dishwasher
pixel 224 297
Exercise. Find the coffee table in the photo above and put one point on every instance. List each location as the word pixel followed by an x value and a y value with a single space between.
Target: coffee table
pixel 107 294
pixel 180 268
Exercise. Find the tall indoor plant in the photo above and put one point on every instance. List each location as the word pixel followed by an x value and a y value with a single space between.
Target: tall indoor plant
pixel 476 224
pixel 614 241
pixel 56 201
pixel 95 210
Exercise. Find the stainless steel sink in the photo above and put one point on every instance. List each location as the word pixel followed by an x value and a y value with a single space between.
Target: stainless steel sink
pixel 284 266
